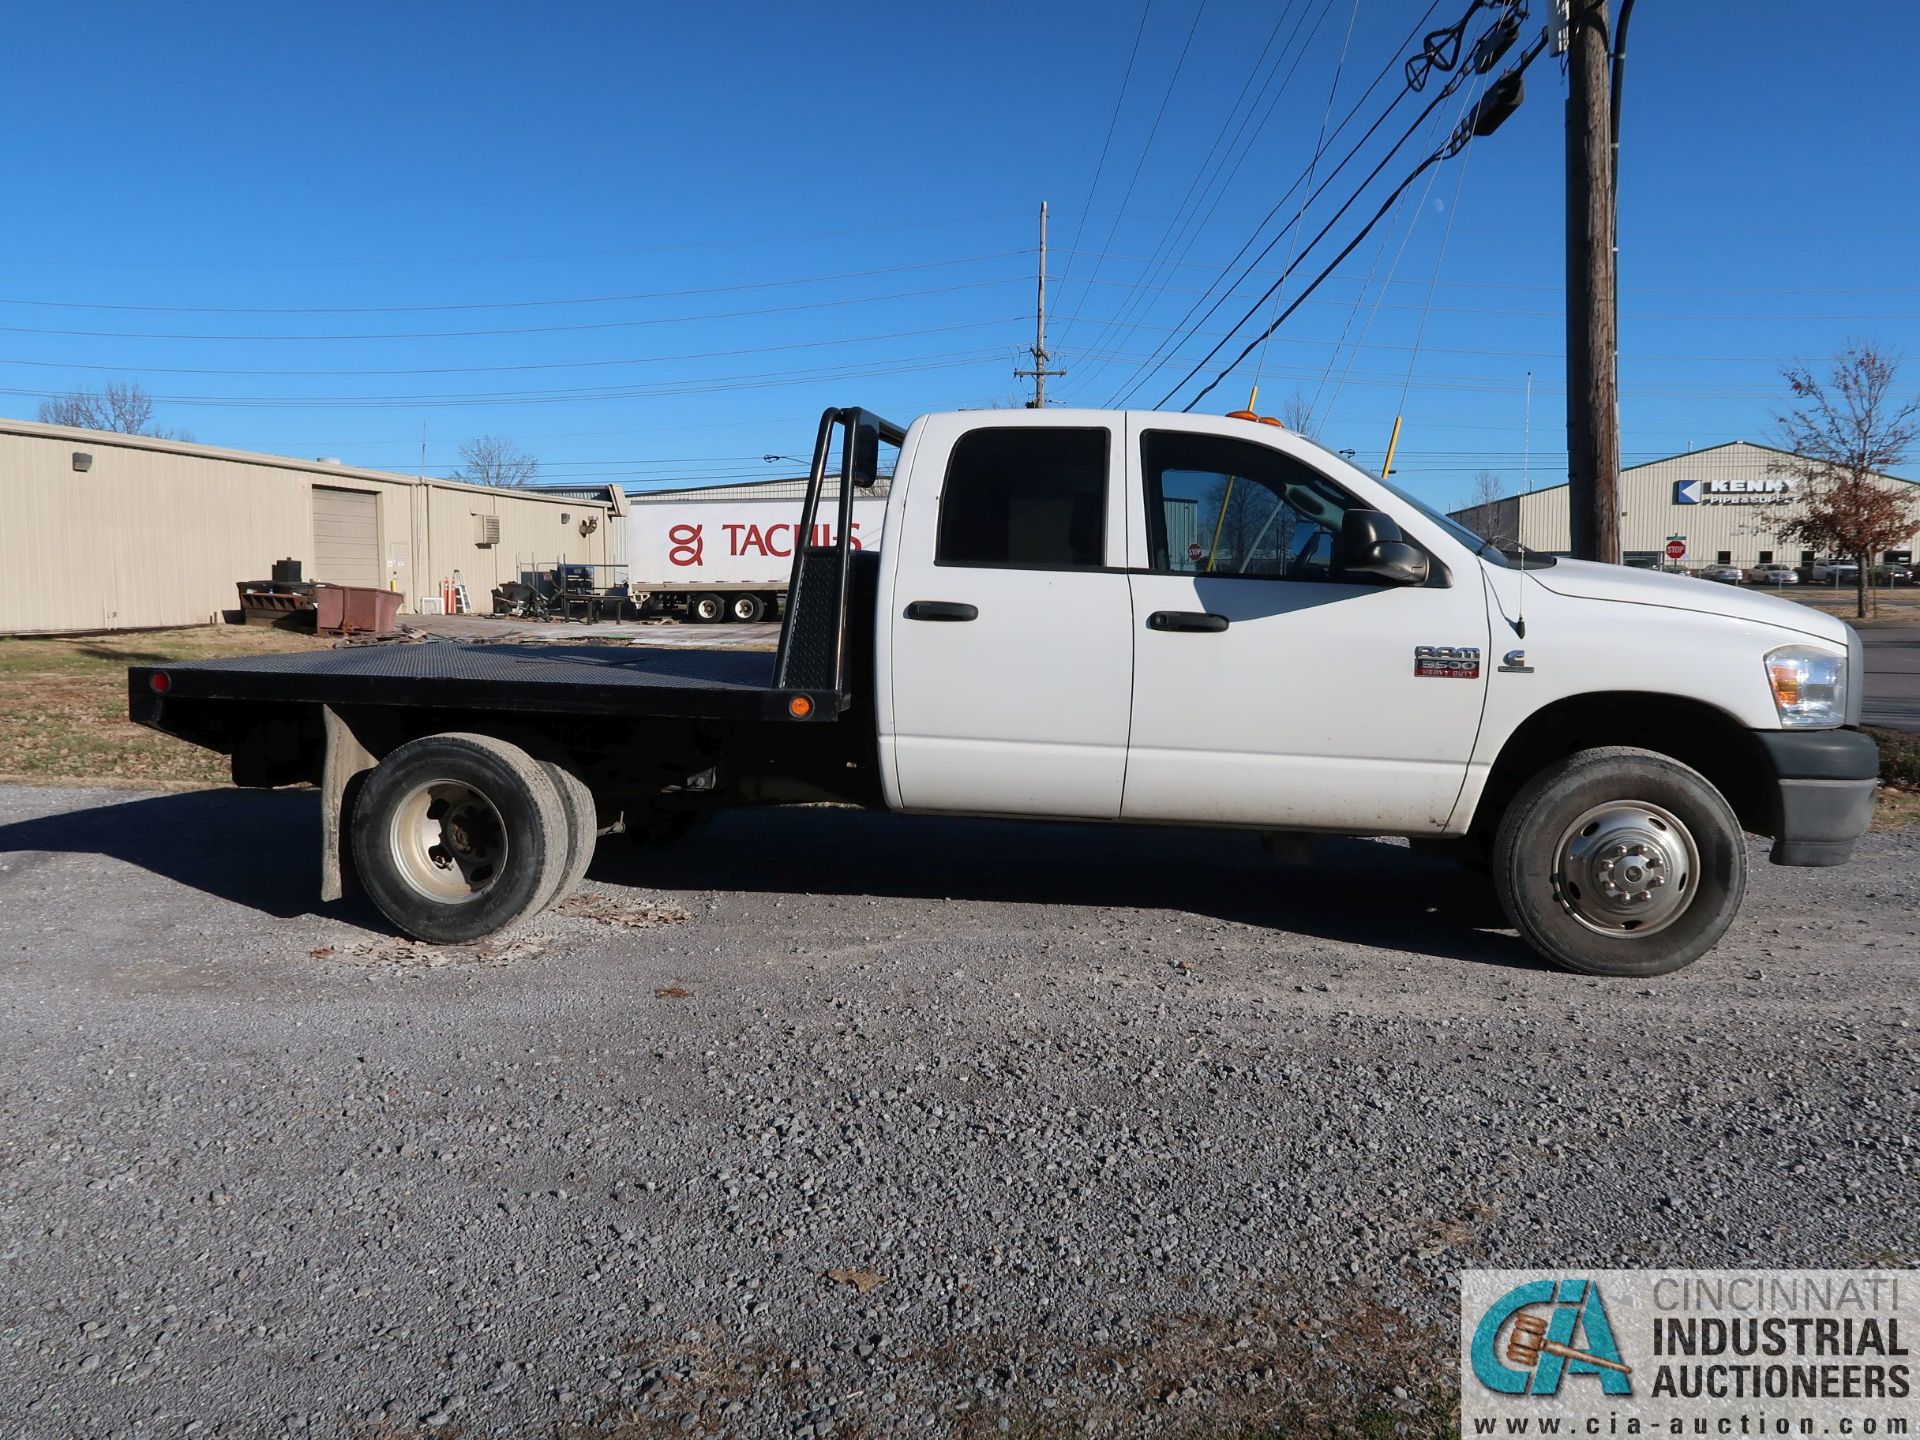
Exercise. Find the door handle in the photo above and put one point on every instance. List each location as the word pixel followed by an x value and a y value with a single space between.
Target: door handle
pixel 1198 621
pixel 942 610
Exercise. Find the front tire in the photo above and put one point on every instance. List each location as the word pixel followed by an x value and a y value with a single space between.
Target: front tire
pixel 707 609
pixel 1621 862
pixel 457 837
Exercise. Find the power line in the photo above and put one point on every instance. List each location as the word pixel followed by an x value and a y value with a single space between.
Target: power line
pixel 1453 147
pixel 1152 132
pixel 1182 216
pixel 353 262
pixel 511 304
pixel 1132 384
pixel 704 385
pixel 534 365
pixel 1302 297
pixel 525 329
pixel 1218 268
pixel 1113 120
pixel 1319 144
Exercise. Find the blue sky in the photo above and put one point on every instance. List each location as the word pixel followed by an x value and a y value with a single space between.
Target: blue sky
pixel 649 243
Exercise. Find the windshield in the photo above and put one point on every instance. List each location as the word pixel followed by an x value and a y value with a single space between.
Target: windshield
pixel 1479 544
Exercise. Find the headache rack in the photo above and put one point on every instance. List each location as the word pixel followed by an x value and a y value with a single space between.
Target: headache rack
pixel 811 663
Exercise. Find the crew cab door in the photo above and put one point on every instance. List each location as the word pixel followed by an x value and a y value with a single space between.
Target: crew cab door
pixel 1269 689
pixel 1005 637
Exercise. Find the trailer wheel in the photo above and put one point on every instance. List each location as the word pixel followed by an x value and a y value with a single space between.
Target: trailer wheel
pixel 583 825
pixel 456 837
pixel 1620 861
pixel 746 607
pixel 707 609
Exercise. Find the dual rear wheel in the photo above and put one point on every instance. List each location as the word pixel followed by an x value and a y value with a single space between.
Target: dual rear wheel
pixel 460 836
pixel 743 605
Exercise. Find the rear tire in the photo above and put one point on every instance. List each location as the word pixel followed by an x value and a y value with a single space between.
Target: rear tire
pixel 583 826
pixel 707 609
pixel 746 608
pixel 457 837
pixel 1619 861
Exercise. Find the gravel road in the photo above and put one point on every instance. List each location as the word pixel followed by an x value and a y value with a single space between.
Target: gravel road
pixel 833 1123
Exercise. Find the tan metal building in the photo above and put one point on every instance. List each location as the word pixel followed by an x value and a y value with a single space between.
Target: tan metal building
pixel 112 532
pixel 1726 503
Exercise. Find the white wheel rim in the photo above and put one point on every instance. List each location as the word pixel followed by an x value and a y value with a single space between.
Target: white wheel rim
pixel 1626 868
pixel 448 841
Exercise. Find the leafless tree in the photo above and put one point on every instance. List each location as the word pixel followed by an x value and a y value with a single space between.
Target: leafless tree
pixel 492 460
pixel 1487 513
pixel 122 407
pixel 1297 414
pixel 1245 528
pixel 1845 432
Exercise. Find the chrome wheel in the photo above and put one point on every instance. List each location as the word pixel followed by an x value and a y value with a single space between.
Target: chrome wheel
pixel 1626 868
pixel 448 841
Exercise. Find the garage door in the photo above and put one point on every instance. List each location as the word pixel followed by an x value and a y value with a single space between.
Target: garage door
pixel 346 537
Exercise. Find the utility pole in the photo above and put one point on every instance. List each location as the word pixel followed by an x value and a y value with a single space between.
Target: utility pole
pixel 1040 372
pixel 1593 389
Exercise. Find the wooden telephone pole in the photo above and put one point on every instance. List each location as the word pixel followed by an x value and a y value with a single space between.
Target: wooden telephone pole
pixel 1040 372
pixel 1593 386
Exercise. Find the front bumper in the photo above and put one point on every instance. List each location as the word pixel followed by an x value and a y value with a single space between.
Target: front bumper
pixel 1824 782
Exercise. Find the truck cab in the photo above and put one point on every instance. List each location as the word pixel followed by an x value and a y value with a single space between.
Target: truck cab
pixel 1121 617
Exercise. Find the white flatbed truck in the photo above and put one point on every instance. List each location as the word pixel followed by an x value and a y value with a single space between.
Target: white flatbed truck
pixel 1117 618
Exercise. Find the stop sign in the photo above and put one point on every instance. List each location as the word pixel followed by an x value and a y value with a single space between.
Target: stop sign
pixel 1676 549
pixel 1194 551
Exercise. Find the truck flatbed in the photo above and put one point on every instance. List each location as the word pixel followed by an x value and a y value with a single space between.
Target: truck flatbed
pixel 575 679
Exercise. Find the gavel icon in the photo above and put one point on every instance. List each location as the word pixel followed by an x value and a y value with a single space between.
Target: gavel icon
pixel 1528 1342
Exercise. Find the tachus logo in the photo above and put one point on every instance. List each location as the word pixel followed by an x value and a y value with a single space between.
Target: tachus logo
pixel 1517 1350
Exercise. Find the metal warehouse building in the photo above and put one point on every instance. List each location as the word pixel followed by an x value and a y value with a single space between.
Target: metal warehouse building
pixel 1728 504
pixel 109 532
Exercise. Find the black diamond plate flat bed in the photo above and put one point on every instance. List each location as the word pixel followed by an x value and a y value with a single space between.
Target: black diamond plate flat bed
pixel 555 679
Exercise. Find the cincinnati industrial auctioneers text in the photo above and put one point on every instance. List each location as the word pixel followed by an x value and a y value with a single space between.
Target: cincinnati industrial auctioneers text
pixel 1681 1352
pixel 1758 1352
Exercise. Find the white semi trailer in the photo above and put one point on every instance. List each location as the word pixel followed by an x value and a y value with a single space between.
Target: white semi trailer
pixel 727 553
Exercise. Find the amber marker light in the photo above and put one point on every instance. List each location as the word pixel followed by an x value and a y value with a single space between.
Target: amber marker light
pixel 799 707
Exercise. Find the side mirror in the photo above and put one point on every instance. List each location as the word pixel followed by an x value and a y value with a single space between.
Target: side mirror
pixel 1371 545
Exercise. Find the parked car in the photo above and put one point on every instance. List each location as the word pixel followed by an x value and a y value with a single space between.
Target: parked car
pixel 1725 574
pixel 1892 575
pixel 1835 572
pixel 1773 575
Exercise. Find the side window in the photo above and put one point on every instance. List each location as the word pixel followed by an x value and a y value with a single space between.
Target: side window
pixel 1217 506
pixel 1026 497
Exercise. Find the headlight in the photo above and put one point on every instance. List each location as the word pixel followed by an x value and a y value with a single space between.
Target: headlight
pixel 1809 686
